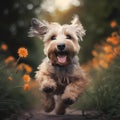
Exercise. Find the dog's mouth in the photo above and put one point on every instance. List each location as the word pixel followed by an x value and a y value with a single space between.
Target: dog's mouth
pixel 61 57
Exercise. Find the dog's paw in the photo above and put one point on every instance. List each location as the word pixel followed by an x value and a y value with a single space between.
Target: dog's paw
pixel 48 89
pixel 48 86
pixel 68 101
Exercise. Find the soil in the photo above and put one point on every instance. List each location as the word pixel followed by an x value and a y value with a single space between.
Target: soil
pixel 70 115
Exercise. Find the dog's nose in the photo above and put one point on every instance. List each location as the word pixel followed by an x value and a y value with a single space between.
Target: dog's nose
pixel 61 46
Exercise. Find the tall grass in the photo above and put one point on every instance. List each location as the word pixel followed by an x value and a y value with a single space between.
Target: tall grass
pixel 16 91
pixel 102 94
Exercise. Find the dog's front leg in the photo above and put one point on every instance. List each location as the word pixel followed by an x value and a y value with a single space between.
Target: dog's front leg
pixel 48 102
pixel 73 90
pixel 47 84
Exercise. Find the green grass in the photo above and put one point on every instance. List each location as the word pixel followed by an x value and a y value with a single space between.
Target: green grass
pixel 13 97
pixel 103 94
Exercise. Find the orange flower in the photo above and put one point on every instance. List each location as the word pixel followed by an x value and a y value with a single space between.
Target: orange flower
pixel 22 52
pixel 10 78
pixel 113 40
pixel 28 68
pixel 24 66
pixel 4 47
pixel 109 57
pixel 117 50
pixel 26 87
pixel 9 59
pixel 94 53
pixel 103 64
pixel 108 48
pixel 26 78
pixel 113 24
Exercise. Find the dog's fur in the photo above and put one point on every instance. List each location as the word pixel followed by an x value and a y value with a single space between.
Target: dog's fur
pixel 60 73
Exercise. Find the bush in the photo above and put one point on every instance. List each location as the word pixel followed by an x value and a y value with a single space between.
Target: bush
pixel 102 94
pixel 16 87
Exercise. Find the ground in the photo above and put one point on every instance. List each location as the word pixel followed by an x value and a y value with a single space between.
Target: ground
pixel 71 115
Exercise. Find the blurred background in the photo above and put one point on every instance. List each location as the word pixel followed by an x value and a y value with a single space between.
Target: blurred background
pixel 16 15
pixel 99 55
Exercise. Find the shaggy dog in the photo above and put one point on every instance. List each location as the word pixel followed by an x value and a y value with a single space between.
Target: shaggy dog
pixel 60 73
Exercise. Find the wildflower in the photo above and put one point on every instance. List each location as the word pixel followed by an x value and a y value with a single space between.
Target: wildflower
pixel 23 66
pixel 9 59
pixel 113 24
pixel 103 64
pixel 108 48
pixel 94 53
pixel 22 52
pixel 26 87
pixel 117 50
pixel 109 57
pixel 113 40
pixel 26 78
pixel 10 78
pixel 27 68
pixel 4 47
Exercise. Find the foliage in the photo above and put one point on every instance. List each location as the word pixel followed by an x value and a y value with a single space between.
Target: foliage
pixel 16 16
pixel 15 82
pixel 16 86
pixel 96 16
pixel 15 22
pixel 103 92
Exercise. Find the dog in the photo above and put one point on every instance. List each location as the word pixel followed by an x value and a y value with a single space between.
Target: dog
pixel 60 73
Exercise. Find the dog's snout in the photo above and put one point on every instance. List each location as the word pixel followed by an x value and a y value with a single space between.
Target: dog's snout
pixel 61 46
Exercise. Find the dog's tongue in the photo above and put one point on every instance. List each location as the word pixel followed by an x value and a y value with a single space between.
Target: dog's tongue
pixel 62 59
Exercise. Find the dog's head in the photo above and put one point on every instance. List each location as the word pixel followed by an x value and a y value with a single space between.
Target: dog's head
pixel 61 41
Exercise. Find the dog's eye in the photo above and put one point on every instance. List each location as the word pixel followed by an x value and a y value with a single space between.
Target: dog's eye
pixel 53 37
pixel 68 37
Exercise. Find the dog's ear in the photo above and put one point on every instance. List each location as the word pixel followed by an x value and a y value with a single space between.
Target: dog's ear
pixel 78 27
pixel 38 28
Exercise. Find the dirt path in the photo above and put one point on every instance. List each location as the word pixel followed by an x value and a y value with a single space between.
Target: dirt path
pixel 71 115
pixel 56 117
pixel 40 115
